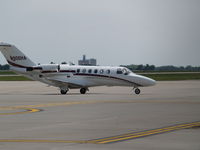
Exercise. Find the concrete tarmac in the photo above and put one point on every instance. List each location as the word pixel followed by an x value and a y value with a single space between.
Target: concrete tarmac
pixel 165 116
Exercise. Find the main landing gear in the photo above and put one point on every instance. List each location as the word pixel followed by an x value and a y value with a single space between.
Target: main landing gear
pixel 137 91
pixel 64 91
pixel 83 90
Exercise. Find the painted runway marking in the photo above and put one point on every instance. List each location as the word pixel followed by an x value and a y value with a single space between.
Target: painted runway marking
pixel 42 141
pixel 134 135
pixel 27 110
pixel 113 139
pixel 33 108
pixel 94 102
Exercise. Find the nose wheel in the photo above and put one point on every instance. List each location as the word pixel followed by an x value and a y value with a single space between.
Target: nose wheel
pixel 137 91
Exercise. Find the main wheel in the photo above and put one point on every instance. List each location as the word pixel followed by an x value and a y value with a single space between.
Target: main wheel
pixel 137 91
pixel 63 92
pixel 83 90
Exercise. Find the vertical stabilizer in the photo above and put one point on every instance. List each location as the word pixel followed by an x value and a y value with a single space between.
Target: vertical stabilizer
pixel 14 56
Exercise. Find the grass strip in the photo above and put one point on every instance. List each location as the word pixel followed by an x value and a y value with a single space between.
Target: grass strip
pixel 174 77
pixel 14 78
pixel 7 73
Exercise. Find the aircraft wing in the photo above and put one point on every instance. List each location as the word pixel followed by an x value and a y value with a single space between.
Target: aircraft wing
pixel 63 81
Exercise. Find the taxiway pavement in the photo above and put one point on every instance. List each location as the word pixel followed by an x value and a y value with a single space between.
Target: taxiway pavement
pixel 165 116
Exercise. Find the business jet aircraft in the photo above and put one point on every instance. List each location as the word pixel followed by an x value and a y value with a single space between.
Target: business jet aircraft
pixel 67 77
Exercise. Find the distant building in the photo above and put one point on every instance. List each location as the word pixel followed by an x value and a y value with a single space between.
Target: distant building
pixel 87 62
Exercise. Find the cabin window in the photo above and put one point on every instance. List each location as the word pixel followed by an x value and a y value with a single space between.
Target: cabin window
pixel 108 71
pixel 90 71
pixel 95 71
pixel 78 70
pixel 101 71
pixel 119 71
pixel 58 67
pixel 84 71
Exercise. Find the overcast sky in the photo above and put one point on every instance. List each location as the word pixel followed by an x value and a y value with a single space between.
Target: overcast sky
pixel 115 32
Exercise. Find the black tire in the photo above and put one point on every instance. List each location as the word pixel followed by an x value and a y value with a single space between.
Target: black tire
pixel 83 90
pixel 63 92
pixel 137 91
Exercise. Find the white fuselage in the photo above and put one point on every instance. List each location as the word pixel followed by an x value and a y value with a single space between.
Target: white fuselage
pixel 87 76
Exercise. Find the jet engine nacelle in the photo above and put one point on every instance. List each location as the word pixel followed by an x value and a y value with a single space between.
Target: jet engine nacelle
pixel 49 67
pixel 45 68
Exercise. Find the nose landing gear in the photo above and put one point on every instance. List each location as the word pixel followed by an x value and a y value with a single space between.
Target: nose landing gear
pixel 137 91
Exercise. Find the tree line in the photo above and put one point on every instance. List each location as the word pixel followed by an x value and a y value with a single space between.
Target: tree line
pixel 4 67
pixel 169 68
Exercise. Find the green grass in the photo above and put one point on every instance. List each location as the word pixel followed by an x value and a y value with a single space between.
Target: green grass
pixel 7 72
pixel 14 78
pixel 174 77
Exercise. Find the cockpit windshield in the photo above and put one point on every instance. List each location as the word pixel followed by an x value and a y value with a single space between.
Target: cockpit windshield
pixel 124 71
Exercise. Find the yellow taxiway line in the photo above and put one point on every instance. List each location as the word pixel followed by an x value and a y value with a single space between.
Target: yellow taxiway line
pixel 113 139
pixel 141 134
pixel 42 141
pixel 68 103
pixel 27 110
pixel 33 108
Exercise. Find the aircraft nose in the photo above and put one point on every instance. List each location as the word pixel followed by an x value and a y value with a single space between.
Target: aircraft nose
pixel 145 81
pixel 150 82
